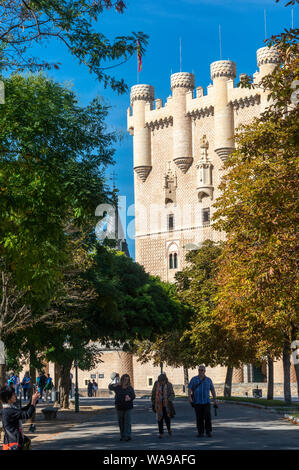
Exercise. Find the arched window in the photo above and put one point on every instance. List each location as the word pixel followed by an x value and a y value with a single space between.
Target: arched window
pixel 173 256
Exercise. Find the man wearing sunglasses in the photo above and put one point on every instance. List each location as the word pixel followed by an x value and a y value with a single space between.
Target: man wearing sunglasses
pixel 199 397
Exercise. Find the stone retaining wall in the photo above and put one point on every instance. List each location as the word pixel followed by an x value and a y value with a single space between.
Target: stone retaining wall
pixel 238 390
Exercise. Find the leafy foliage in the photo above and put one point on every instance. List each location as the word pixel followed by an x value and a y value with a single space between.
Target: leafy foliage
pixel 24 24
pixel 52 157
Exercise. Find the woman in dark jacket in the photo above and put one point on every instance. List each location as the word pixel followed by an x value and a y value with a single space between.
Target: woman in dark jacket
pixel 12 418
pixel 162 403
pixel 124 396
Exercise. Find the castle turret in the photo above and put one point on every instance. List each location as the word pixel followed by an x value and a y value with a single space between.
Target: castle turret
pixel 267 59
pixel 140 95
pixel 181 83
pixel 221 72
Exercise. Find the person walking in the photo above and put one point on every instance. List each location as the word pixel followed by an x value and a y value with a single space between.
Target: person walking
pixel 48 387
pixel 94 388
pixel 12 418
pixel 89 389
pixel 41 383
pixel 199 397
pixel 124 396
pixel 26 385
pixel 12 381
pixel 162 403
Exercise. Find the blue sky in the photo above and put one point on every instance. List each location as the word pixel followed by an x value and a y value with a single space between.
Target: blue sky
pixel 196 22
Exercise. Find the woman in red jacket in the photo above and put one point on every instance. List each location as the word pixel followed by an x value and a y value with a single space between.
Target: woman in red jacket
pixel 12 418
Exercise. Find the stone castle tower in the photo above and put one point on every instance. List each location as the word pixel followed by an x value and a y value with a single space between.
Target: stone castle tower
pixel 179 150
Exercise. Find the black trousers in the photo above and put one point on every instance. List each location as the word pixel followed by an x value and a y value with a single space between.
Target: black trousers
pixel 165 418
pixel 203 418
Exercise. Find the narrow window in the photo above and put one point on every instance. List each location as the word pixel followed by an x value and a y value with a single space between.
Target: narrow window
pixel 206 216
pixel 170 261
pixel 170 222
pixel 175 260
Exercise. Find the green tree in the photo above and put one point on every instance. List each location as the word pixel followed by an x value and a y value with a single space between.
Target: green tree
pixel 53 153
pixel 29 23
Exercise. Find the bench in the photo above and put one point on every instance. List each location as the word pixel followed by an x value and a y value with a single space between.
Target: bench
pixel 50 412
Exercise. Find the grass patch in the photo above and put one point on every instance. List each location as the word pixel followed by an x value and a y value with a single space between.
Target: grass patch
pixel 263 401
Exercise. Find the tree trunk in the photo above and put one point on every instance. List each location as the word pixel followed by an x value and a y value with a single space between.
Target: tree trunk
pixel 270 390
pixel 56 375
pixel 294 337
pixel 186 379
pixel 296 367
pixel 64 387
pixel 228 382
pixel 287 372
pixel 2 379
pixel 2 374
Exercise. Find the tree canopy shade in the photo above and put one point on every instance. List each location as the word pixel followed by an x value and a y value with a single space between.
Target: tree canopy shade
pixel 32 22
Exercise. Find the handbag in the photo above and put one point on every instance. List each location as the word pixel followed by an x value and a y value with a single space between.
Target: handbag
pixel 26 443
pixel 171 409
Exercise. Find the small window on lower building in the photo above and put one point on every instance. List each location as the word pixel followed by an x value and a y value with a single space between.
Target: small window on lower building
pixel 150 381
pixel 86 382
pixel 206 216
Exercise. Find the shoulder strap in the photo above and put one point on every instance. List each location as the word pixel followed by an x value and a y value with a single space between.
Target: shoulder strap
pixel 199 383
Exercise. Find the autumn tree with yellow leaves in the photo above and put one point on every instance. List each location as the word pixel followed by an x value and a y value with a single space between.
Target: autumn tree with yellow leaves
pixel 258 210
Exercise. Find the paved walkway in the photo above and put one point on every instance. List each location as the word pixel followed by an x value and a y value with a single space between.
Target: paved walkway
pixel 235 427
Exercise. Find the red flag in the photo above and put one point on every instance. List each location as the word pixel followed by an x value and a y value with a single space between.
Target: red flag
pixel 138 56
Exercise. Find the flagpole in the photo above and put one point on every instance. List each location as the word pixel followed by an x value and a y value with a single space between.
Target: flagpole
pixel 220 47
pixel 137 68
pixel 292 18
pixel 180 54
pixel 265 19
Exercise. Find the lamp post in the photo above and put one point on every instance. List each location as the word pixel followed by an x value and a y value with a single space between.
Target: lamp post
pixel 76 388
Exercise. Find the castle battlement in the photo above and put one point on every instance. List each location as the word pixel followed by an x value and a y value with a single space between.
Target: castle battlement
pixel 197 105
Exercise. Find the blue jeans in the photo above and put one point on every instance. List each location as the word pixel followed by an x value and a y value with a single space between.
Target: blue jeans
pixel 124 421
